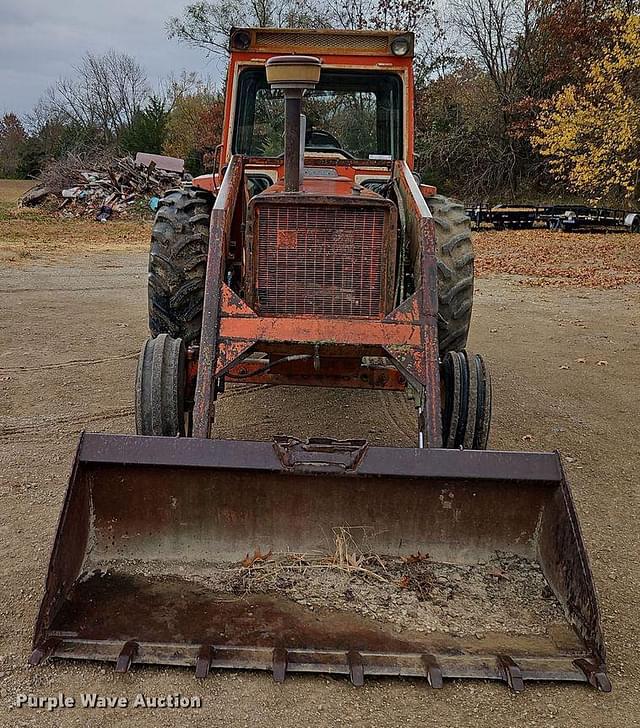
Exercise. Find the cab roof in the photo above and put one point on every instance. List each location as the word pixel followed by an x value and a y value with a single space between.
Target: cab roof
pixel 325 41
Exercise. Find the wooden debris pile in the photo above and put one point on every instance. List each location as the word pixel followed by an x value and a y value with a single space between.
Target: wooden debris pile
pixel 99 187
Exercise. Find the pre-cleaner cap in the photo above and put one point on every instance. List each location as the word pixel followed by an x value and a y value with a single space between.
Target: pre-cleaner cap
pixel 293 71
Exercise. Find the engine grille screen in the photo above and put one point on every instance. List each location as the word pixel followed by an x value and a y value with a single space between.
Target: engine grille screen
pixel 320 260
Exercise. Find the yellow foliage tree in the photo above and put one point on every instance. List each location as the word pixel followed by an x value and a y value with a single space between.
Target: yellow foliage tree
pixel 591 135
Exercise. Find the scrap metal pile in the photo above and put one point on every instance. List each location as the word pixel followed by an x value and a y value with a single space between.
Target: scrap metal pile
pixel 102 186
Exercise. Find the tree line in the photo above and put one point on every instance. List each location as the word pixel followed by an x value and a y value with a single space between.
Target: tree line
pixel 109 105
pixel 514 98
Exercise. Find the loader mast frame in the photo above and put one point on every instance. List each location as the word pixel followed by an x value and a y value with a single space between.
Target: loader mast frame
pixel 408 336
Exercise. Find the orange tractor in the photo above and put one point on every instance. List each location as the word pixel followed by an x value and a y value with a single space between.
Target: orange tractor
pixel 317 267
pixel 314 256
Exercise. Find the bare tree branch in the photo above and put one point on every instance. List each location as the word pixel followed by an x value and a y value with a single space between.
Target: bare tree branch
pixel 106 93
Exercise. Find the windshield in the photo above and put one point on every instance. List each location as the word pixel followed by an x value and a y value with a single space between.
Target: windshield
pixel 356 115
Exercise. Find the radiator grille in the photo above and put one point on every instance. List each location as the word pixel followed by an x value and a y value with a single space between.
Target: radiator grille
pixel 320 260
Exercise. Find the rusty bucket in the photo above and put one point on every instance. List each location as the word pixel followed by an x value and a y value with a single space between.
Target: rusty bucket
pixel 148 523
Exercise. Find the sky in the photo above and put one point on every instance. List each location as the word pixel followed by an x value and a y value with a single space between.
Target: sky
pixel 41 40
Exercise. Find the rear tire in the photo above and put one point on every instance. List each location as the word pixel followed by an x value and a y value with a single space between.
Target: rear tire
pixel 454 252
pixel 160 387
pixel 177 264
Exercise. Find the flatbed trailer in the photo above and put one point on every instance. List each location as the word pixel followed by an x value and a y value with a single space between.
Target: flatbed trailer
pixel 575 217
pixel 555 217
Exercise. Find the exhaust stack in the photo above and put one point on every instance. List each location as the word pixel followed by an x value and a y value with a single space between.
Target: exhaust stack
pixel 292 75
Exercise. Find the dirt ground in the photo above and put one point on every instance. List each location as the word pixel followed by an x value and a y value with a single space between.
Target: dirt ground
pixel 566 373
pixel 30 234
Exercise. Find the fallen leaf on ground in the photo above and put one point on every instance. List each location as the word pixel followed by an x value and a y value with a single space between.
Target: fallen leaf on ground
pixel 257 556
pixel 415 558
pixel 551 258
pixel 499 573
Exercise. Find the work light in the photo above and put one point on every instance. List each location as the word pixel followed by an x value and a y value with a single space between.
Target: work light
pixel 400 46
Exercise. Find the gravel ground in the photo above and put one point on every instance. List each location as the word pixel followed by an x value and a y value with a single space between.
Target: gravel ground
pixel 566 369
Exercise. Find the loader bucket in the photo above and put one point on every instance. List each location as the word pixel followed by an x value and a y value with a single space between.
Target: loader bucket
pixel 192 552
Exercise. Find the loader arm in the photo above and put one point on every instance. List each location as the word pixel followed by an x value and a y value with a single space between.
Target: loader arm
pixel 222 214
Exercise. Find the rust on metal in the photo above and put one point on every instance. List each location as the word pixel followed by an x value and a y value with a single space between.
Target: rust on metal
pixel 233 305
pixel 191 374
pixel 320 331
pixel 511 672
pixel 595 674
pixel 433 671
pixel 320 453
pixel 44 650
pixel 407 312
pixel 219 229
pixel 342 264
pixel 421 232
pixel 292 111
pixel 356 668
pixel 203 661
pixel 231 351
pixel 198 502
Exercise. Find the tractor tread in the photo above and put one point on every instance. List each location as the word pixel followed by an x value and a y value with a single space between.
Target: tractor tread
pixel 177 264
pixel 160 383
pixel 455 257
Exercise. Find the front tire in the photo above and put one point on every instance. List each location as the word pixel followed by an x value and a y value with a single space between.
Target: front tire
pixel 466 413
pixel 160 387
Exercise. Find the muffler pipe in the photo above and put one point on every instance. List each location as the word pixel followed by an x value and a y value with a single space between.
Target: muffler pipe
pixel 292 75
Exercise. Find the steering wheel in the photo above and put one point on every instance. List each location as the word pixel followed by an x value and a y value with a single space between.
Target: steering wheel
pixel 319 140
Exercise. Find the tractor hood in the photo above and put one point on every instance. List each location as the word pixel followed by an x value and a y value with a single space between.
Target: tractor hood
pixel 324 181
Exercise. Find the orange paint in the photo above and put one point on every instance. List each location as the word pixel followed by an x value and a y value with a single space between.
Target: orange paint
pixel 298 330
pixel 330 59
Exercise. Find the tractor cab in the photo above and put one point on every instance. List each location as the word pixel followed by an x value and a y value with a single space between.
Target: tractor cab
pixel 358 116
